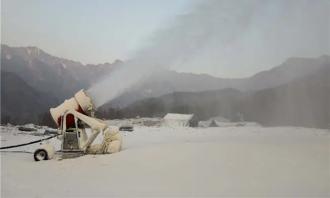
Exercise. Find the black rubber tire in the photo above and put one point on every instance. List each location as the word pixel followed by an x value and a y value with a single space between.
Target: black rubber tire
pixel 40 154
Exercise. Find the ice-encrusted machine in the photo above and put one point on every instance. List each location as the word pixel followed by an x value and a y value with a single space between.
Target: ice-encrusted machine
pixel 72 117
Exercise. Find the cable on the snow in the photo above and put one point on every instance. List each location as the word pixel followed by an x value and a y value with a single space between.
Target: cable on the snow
pixel 33 142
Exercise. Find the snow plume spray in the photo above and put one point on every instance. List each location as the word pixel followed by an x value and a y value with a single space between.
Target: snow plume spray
pixel 225 37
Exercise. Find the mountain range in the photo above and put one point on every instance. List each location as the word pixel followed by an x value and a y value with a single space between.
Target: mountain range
pixel 32 81
pixel 56 76
pixel 302 102
pixel 170 81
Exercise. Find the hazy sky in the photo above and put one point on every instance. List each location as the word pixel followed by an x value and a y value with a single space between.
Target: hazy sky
pixel 227 38
pixel 90 31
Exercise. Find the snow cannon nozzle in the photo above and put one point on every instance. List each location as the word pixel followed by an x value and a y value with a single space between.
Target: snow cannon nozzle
pixel 81 102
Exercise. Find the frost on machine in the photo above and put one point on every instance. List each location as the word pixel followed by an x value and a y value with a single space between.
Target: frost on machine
pixel 72 117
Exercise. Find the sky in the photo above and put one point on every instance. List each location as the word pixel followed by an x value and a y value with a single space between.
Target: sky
pixel 223 38
pixel 87 31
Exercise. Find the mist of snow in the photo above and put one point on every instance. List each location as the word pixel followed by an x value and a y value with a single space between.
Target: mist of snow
pixel 226 38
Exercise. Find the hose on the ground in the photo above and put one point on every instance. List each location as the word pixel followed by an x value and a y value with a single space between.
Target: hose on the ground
pixel 25 144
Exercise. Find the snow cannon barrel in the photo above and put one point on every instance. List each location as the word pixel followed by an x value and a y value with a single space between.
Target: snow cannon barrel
pixel 81 102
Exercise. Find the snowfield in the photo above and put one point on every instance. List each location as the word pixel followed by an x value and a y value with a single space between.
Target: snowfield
pixel 248 161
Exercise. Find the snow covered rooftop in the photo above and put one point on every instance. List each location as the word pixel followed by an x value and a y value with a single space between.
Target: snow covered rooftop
pixel 177 116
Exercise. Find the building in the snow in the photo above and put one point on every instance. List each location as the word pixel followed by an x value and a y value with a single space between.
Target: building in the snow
pixel 180 120
pixel 214 122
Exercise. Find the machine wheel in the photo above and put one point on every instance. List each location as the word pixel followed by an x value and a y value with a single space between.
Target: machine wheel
pixel 40 154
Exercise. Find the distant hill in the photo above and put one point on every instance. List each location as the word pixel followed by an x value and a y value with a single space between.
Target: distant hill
pixel 44 81
pixel 304 101
pixel 33 81
pixel 169 81
pixel 55 76
pixel 204 104
pixel 20 103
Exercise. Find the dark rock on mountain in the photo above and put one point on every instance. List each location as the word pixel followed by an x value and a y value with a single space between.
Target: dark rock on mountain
pixel 20 103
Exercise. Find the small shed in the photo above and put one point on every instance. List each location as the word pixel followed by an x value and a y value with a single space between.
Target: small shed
pixel 179 120
pixel 215 122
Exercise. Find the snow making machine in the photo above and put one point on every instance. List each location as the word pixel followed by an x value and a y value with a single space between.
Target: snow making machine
pixel 72 118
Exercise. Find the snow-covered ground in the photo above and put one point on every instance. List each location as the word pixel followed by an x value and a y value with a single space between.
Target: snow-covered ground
pixel 248 161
